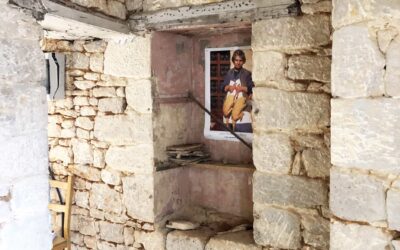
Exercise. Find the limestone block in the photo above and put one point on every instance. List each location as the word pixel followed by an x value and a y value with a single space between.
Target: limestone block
pixel 88 173
pixel 67 124
pixel 113 105
pixel 131 159
pixel 95 46
pixel 111 232
pixel 138 196
pixel 97 62
pixel 123 130
pixel 91 3
pixel 392 76
pixel 313 141
pixel 239 241
pixel 87 111
pixel 276 227
pixel 78 45
pixel 297 166
pixel 385 37
pixel 82 134
pixel 130 59
pixel 283 84
pixel 272 153
pixel 84 122
pixel 396 244
pixel 90 241
pixel 152 240
pixel 357 63
pixel 83 152
pixel 116 9
pixel 320 7
pixel 77 238
pixel 21 61
pixel 98 158
pixel 129 237
pixel 120 219
pixel 289 190
pixel 355 11
pixel 84 224
pixel 67 133
pixel 357 197
pixel 111 177
pixel 316 231
pixel 317 162
pixel 59 153
pixel 78 61
pixel 138 95
pixel 120 92
pixel 92 76
pixel 93 101
pixel 308 67
pixel 134 5
pixel 104 198
pixel 84 85
pixel 358 237
pixel 393 208
pixel 53 130
pixel 291 34
pixel 104 92
pixel 360 138
pixel 81 199
pixel 268 65
pixel 110 81
pixel 191 239
pixel 284 110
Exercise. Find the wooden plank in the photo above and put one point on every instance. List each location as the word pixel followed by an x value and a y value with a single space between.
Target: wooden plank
pixel 59 184
pixel 57 208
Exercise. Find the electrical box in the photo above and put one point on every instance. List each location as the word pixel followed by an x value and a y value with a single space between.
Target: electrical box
pixel 55 64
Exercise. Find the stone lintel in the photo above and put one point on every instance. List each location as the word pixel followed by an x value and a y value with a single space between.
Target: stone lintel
pixel 212 14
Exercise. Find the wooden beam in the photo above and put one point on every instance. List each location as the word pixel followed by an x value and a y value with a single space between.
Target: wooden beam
pixel 216 13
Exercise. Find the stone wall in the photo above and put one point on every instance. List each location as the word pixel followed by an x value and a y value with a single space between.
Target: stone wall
pixel 154 5
pixel 291 148
pixel 112 8
pixel 24 217
pixel 102 133
pixel 365 194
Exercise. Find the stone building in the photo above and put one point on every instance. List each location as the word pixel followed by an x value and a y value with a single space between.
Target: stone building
pixel 325 141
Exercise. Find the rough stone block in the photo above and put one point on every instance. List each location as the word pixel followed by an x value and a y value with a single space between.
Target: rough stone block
pixel 396 244
pixel 268 65
pixel 111 177
pixel 358 237
pixel 104 198
pixel 238 241
pixel 316 231
pixel 317 162
pixel 88 173
pixel 319 7
pixel 357 63
pixel 83 152
pixel 357 197
pixel 96 62
pixel 131 159
pixel 111 232
pixel 84 85
pixel 113 105
pixel 306 67
pixel 138 196
pixel 78 61
pixel 393 208
pixel 138 95
pixel 191 239
pixel 84 224
pixel 116 9
pixel 95 46
pixel 104 92
pixel 152 240
pixel 291 34
pixel 84 122
pixel 385 37
pixel 392 76
pixel 124 130
pixel 364 133
pixel 81 199
pixel 60 153
pixel 289 190
pixel 107 81
pixel 272 153
pixel 284 110
pixel 130 59
pixel 276 227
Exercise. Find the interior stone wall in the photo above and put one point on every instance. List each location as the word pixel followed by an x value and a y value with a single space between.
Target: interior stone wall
pixel 101 132
pixel 365 193
pixel 291 147
pixel 24 185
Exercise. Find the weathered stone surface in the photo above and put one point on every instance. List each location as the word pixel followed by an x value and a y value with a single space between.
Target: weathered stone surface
pixel 81 199
pixel 67 133
pixel 83 152
pixel 138 95
pixel 276 227
pixel 84 85
pixel 104 92
pixel 314 141
pixel 392 76
pixel 320 7
pixel 279 190
pixel 109 81
pixel 87 111
pixel 272 153
pixel 82 134
pixel 360 138
pixel 116 9
pixel 385 37
pixel 393 208
pixel 111 177
pixel 95 46
pixel 297 166
pixel 283 84
pixel 129 60
pixel 53 130
pixel 85 225
pixel 98 158
pixel 396 244
pixel 358 237
pixel 88 173
pixel 84 122
pixel 268 65
pixel 238 241
pixel 132 159
pixel 111 232
pixel 357 63
pixel 307 67
pixel 283 110
pixel 92 76
pixel 192 239
pixel 317 162
pixel 356 11
pixel 78 61
pixel 129 237
pixel 90 241
pixel 357 197
pixel 138 196
pixel 152 240
pixel 316 231
pixel 97 62
pixel 59 153
pixel 291 34
pixel 113 105
pixel 104 198
pixel 123 130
